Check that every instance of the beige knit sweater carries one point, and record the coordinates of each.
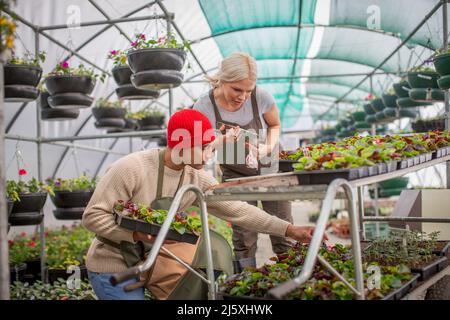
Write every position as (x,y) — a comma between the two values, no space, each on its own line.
(134,178)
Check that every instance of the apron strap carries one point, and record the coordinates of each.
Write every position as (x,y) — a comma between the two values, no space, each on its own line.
(255,110)
(161,176)
(216,109)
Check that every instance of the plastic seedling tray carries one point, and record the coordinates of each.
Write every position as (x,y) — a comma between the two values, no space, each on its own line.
(431,269)
(326,176)
(416,160)
(286,165)
(391,166)
(373,170)
(406,163)
(441,152)
(363,172)
(152,229)
(403,290)
(382,168)
(444,250)
(225,296)
(429,156)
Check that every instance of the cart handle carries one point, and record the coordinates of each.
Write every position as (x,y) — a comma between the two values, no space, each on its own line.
(282,290)
(131,273)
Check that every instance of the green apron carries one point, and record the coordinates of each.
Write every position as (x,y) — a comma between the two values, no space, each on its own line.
(133,253)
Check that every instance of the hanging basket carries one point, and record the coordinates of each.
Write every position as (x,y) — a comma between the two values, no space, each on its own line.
(55,274)
(389,100)
(109,123)
(390,112)
(122,75)
(423,79)
(427,95)
(368,109)
(442,64)
(378,105)
(22,74)
(156,59)
(157,79)
(71,199)
(401,89)
(130,125)
(380,116)
(409,103)
(111,113)
(69,213)
(59,114)
(130,92)
(359,116)
(444,82)
(71,100)
(29,202)
(362,125)
(20,93)
(69,84)
(151,121)
(17,272)
(370,119)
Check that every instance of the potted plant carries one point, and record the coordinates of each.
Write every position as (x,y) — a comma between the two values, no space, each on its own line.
(54,114)
(22,76)
(71,196)
(390,99)
(109,114)
(69,87)
(24,249)
(67,249)
(424,83)
(122,76)
(58,290)
(29,198)
(156,64)
(150,118)
(442,64)
(378,105)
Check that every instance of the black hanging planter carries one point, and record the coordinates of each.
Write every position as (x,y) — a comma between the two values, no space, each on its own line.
(380,116)
(390,112)
(55,274)
(110,123)
(130,125)
(50,114)
(22,74)
(151,121)
(389,100)
(130,92)
(69,84)
(111,113)
(156,68)
(368,109)
(27,210)
(423,79)
(444,82)
(17,272)
(442,64)
(69,213)
(20,93)
(401,89)
(72,100)
(427,95)
(409,103)
(370,119)
(122,75)
(71,199)
(378,105)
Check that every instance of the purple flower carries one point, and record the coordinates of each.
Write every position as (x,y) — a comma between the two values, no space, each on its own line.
(142,36)
(64,64)
(134,44)
(114,52)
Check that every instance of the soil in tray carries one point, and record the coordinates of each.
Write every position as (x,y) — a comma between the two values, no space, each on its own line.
(430,268)
(152,229)
(442,248)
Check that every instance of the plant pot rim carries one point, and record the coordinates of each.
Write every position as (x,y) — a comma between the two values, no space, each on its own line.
(33,194)
(120,67)
(442,55)
(423,72)
(389,95)
(68,76)
(76,191)
(109,108)
(25,66)
(155,50)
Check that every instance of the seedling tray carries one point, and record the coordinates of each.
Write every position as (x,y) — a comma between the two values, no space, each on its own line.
(406,163)
(441,152)
(403,290)
(225,296)
(286,165)
(431,269)
(326,176)
(442,252)
(152,229)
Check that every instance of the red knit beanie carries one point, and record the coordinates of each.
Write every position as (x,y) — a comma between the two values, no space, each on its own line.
(191,127)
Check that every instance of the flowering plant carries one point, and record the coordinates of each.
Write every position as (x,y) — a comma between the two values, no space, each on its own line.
(28,59)
(119,57)
(23,248)
(76,184)
(7,29)
(105,103)
(15,188)
(63,68)
(148,112)
(167,41)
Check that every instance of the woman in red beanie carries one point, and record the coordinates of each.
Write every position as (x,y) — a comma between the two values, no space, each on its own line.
(152,177)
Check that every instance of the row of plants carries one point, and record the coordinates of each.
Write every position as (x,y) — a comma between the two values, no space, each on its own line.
(323,285)
(58,290)
(358,151)
(26,199)
(431,124)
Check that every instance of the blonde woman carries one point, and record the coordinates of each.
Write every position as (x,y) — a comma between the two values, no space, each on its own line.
(235,101)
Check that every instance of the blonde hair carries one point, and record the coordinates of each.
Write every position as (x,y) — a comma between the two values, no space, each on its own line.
(236,67)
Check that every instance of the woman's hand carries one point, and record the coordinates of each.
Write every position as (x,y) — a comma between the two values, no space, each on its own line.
(302,234)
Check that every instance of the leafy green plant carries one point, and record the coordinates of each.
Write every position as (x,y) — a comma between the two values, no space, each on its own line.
(167,41)
(56,291)
(148,112)
(423,68)
(64,69)
(15,188)
(28,59)
(105,103)
(82,183)
(182,222)
(119,57)
(7,29)
(23,248)
(442,51)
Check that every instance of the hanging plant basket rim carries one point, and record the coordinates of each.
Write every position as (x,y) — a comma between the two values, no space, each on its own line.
(24,66)
(68,76)
(155,50)
(76,191)
(442,55)
(120,67)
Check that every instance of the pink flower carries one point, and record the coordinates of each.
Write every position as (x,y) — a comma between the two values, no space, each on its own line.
(114,52)
(22,172)
(142,36)
(10,242)
(32,244)
(160,39)
(134,44)
(23,234)
(64,64)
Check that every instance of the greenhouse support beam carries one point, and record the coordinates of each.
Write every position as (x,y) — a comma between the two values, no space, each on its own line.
(405,41)
(16,115)
(102,22)
(20,138)
(37,29)
(4,256)
(107,136)
(446,92)
(408,219)
(110,20)
(87,148)
(172,22)
(105,156)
